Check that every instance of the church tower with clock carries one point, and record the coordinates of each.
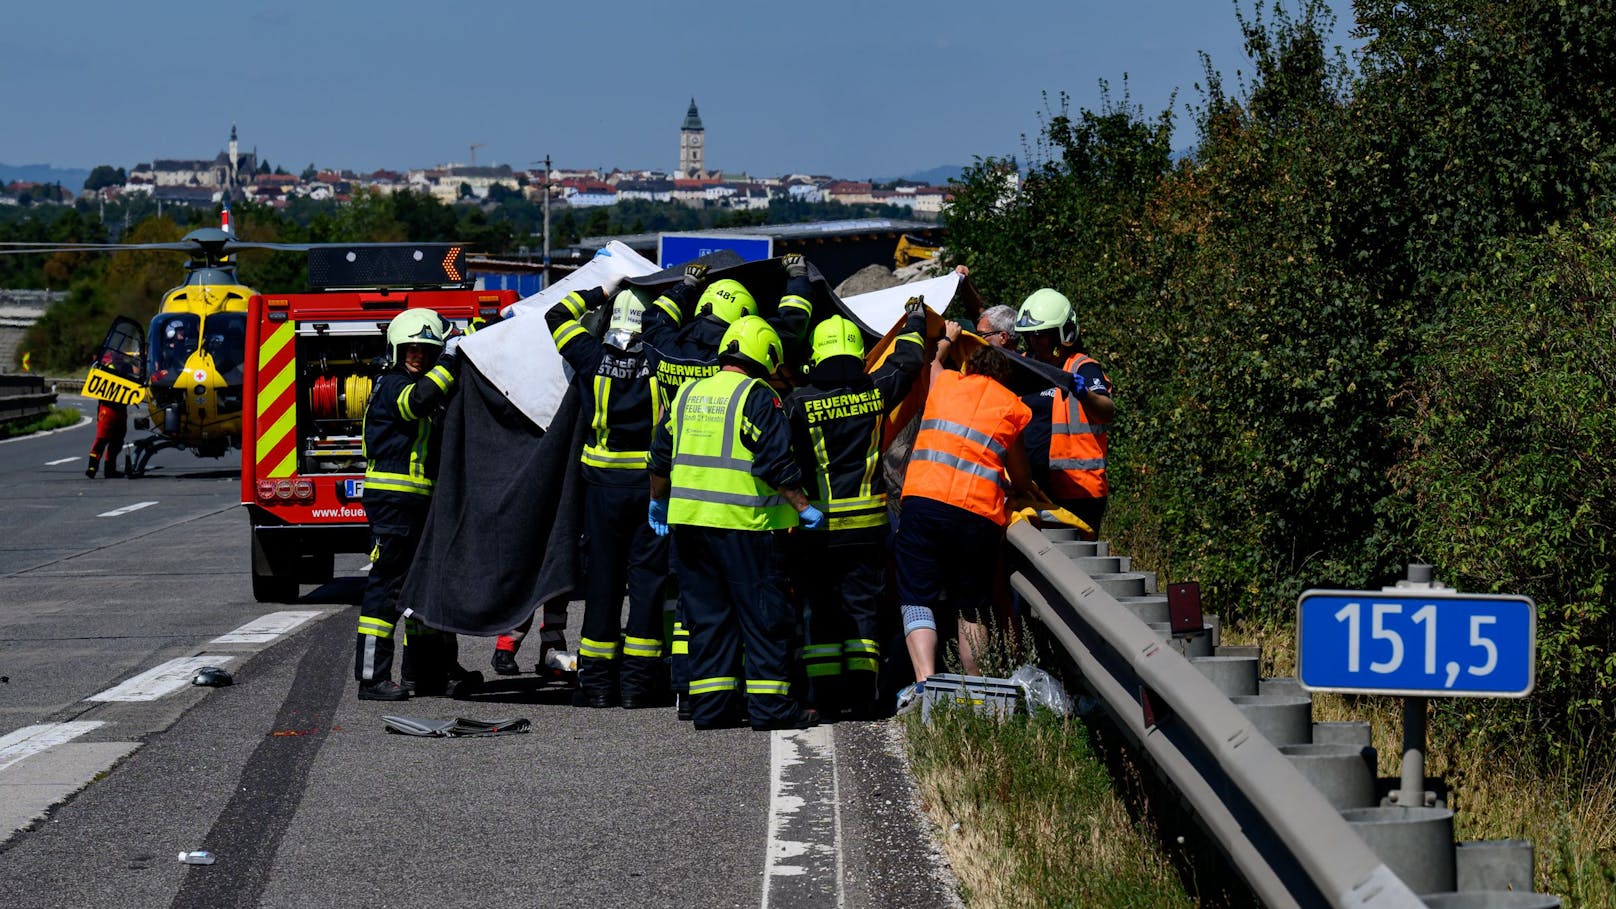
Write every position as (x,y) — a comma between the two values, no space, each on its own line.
(692,154)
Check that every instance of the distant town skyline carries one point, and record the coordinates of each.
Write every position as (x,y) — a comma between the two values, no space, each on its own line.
(853,90)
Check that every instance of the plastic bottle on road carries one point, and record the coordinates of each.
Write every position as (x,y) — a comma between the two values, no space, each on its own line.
(197,857)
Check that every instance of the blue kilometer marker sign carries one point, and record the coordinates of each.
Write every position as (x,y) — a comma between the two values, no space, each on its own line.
(1416,642)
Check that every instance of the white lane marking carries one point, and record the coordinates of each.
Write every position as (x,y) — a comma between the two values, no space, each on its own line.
(61,461)
(118,512)
(267,628)
(33,739)
(165,678)
(805,808)
(83,420)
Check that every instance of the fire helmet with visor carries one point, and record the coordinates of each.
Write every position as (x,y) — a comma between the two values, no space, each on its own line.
(1047,309)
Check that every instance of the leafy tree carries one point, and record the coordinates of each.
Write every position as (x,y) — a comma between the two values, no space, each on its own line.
(309,173)
(499,194)
(105,175)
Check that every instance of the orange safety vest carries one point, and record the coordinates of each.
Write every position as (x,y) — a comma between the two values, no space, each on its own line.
(1076,446)
(965,431)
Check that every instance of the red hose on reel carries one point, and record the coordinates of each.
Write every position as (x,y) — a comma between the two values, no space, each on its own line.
(323,398)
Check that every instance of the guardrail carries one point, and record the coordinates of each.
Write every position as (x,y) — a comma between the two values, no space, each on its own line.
(1291,842)
(24,397)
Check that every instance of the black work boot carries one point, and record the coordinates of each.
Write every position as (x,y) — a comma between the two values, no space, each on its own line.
(504,663)
(463,683)
(95,464)
(596,698)
(802,718)
(383,690)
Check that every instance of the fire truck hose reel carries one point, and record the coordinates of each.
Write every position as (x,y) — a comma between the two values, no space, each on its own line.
(357,394)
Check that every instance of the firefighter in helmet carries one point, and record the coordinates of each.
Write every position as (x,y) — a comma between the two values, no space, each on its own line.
(402,443)
(836,422)
(725,483)
(616,665)
(682,340)
(1067,437)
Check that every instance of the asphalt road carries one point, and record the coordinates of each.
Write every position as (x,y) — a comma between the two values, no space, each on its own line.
(106,773)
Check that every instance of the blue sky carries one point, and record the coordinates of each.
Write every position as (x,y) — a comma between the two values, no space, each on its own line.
(844,88)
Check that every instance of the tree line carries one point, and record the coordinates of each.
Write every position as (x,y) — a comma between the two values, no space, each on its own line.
(102,287)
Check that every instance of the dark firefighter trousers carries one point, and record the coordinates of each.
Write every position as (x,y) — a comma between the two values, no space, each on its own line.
(843,576)
(622,553)
(729,585)
(428,653)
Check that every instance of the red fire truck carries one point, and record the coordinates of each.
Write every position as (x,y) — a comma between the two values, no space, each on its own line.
(311,359)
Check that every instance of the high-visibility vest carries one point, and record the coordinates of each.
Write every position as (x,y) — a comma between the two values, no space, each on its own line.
(1077,446)
(712,479)
(965,431)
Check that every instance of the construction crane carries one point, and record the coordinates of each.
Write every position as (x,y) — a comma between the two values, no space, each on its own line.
(474,147)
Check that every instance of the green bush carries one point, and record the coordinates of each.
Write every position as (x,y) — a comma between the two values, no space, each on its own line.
(1509,478)
(1362,324)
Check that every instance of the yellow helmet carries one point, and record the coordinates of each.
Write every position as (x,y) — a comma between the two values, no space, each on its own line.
(1047,309)
(727,300)
(415,326)
(753,343)
(837,337)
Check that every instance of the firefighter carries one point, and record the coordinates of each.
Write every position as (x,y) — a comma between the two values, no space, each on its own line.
(724,479)
(836,421)
(953,513)
(1067,438)
(614,377)
(402,441)
(684,346)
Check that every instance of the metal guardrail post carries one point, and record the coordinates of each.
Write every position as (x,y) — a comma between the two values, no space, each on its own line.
(1291,845)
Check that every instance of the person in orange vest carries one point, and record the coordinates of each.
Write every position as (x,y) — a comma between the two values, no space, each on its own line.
(1067,438)
(967,456)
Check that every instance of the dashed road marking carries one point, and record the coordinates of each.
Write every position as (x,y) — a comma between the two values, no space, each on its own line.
(162,679)
(30,740)
(61,461)
(803,864)
(118,512)
(267,628)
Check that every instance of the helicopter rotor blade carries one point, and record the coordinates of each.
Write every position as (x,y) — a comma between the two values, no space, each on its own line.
(38,248)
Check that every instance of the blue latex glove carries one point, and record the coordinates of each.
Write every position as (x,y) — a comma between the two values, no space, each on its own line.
(657,517)
(1080,385)
(812,518)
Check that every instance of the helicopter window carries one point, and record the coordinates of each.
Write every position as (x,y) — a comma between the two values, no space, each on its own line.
(120,354)
(226,340)
(172,340)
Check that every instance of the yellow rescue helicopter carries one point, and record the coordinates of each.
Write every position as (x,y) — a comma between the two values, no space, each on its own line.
(185,366)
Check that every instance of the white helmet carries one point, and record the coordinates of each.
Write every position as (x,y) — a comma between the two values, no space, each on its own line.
(623,325)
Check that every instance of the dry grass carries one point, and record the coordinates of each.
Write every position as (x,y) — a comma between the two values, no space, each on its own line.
(1028,816)
(1565,805)
(1027,809)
